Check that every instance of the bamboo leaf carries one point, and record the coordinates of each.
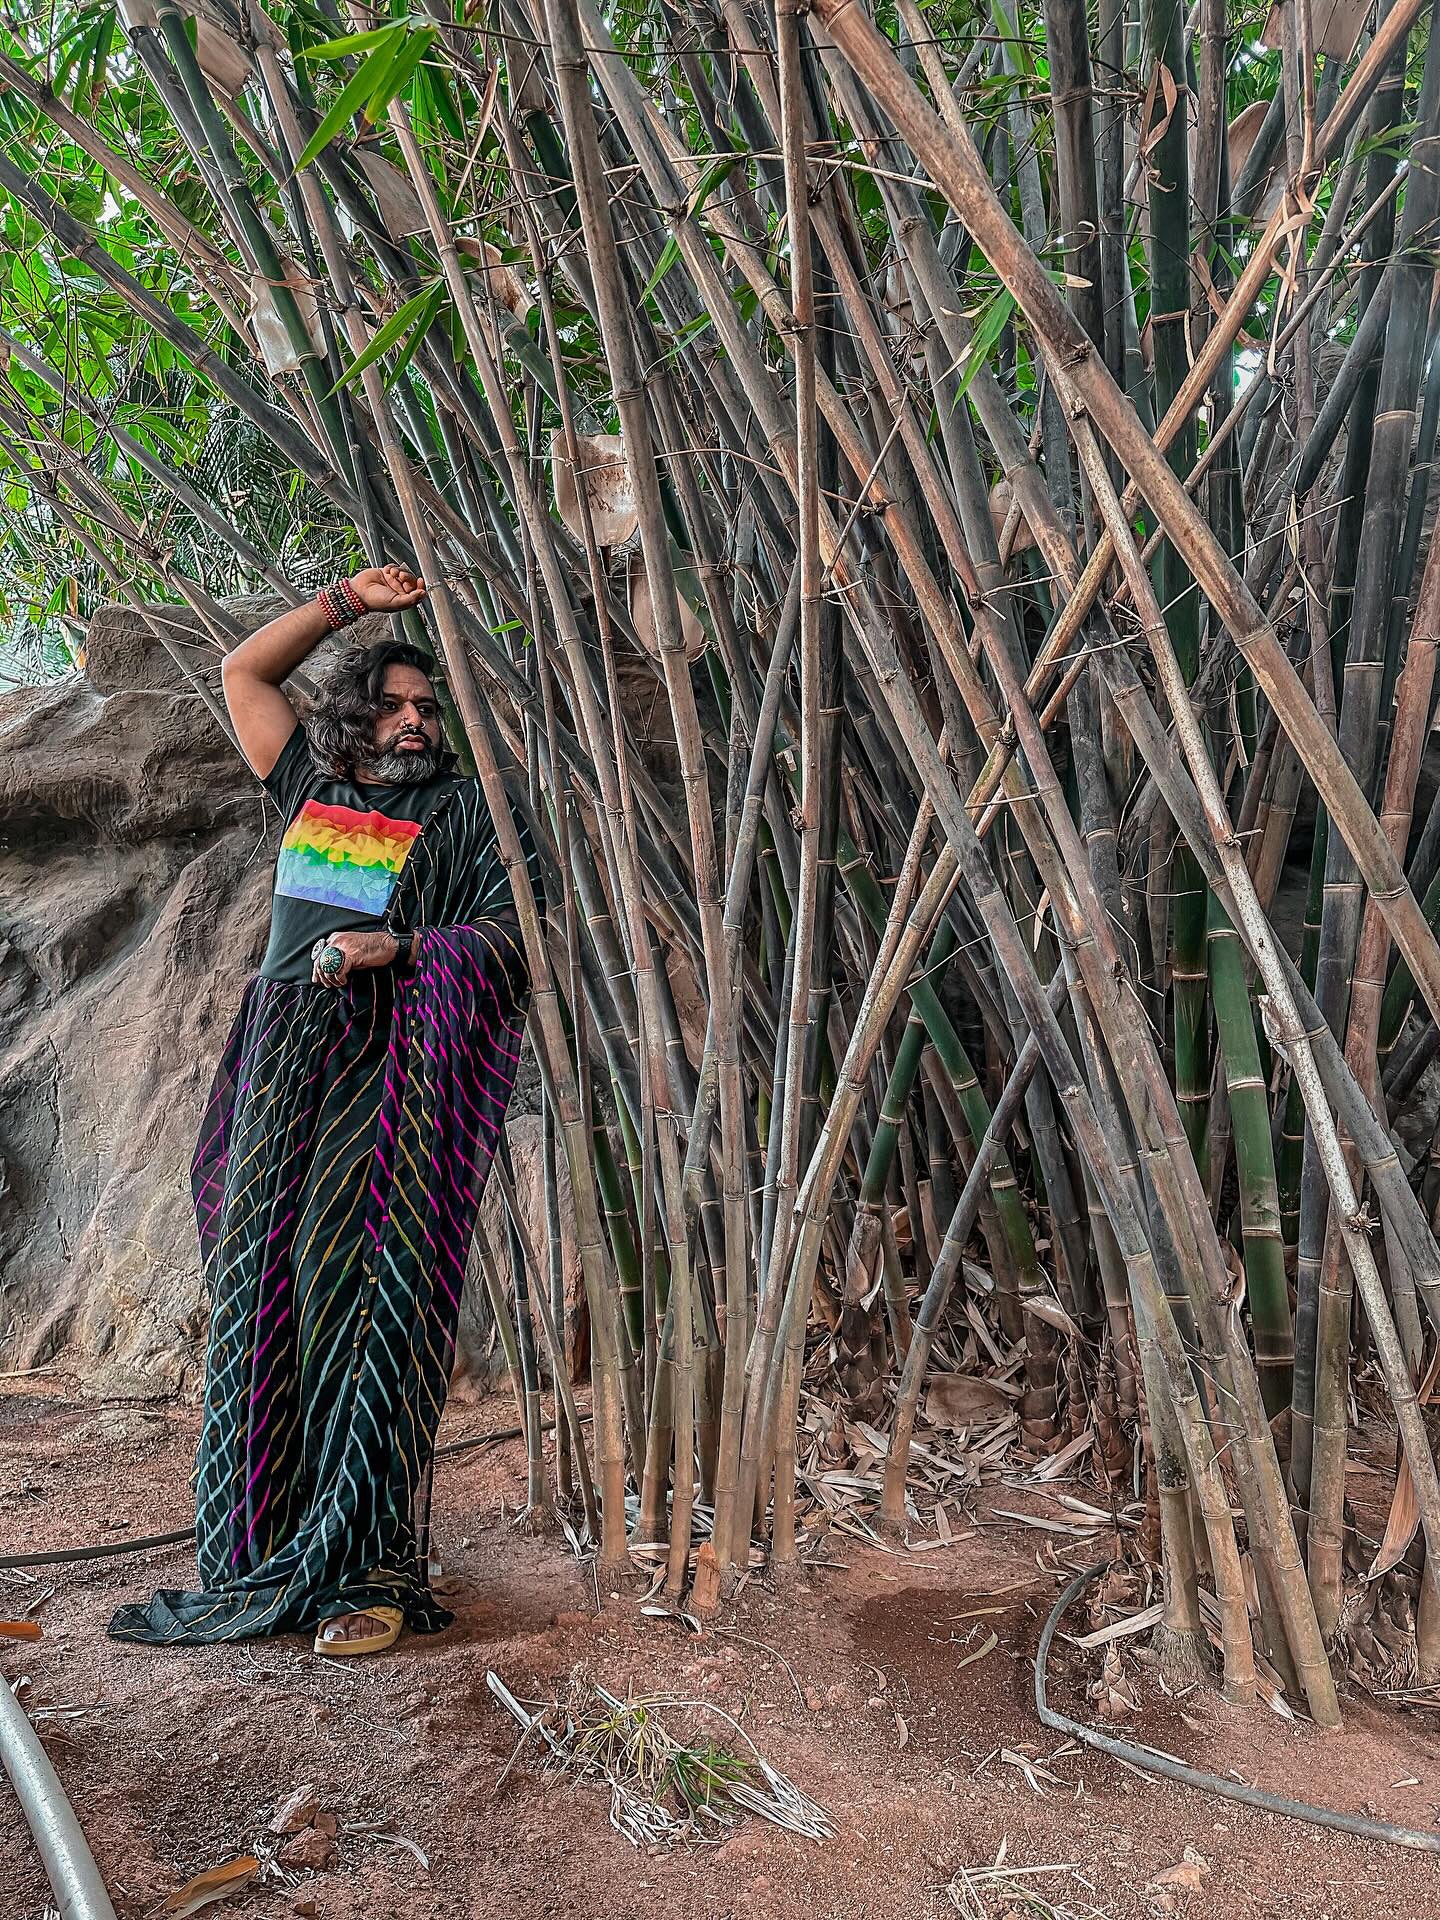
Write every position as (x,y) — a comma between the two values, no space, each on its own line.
(669,254)
(719,169)
(988,330)
(360,88)
(434,89)
(417,313)
(417,334)
(1011,36)
(396,77)
(352,43)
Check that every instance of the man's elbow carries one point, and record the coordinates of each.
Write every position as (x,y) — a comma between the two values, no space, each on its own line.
(238,676)
(241,689)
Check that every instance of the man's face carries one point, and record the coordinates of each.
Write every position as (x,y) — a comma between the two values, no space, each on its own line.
(409,717)
(407,747)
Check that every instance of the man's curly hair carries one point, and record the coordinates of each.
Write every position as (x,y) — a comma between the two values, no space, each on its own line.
(340,721)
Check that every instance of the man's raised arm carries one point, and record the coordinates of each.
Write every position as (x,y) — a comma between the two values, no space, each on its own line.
(252,676)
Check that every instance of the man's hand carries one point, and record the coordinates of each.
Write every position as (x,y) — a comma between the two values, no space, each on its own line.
(255,673)
(389,589)
(362,952)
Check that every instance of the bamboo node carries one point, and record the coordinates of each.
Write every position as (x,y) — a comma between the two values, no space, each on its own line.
(1284,1035)
(1360,1220)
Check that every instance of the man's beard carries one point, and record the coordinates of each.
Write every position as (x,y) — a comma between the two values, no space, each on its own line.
(404,766)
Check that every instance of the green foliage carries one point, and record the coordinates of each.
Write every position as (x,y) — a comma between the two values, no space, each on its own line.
(992,321)
(391,57)
(404,329)
(449,83)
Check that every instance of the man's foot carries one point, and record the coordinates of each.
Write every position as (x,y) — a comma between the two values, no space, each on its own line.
(370,1631)
(353,1626)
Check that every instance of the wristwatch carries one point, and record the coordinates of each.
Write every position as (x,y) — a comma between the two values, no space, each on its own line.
(403,943)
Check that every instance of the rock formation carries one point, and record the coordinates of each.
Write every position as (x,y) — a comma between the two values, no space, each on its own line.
(136,853)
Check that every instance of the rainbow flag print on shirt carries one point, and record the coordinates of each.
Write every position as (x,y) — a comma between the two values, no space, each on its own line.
(343,858)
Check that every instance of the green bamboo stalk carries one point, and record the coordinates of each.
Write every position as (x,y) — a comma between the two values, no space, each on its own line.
(1265,1282)
(1169,210)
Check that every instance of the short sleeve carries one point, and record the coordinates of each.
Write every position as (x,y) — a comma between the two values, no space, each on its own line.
(292,774)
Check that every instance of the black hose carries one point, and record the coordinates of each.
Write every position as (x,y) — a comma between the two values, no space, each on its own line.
(1150,1760)
(57,1556)
(112,1549)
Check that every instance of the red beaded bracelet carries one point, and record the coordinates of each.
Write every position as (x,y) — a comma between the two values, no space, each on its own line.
(341,605)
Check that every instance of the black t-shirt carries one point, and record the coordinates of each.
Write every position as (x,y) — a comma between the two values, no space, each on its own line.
(341,855)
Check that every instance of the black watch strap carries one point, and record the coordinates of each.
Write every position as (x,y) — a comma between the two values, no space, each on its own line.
(403,943)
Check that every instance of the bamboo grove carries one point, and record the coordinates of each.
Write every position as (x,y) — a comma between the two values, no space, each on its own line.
(927,515)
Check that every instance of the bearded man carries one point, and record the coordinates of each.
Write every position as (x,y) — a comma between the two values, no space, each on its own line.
(340,1165)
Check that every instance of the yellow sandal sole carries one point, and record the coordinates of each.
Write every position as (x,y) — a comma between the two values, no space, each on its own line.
(346,1649)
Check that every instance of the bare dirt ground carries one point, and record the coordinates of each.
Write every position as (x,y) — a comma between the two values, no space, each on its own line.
(849,1684)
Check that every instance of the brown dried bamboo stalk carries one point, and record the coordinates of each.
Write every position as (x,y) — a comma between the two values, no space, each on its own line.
(1413,692)
(956,167)
(564,1393)
(626,880)
(1326,1537)
(545,1011)
(1284,1015)
(807,820)
(572,74)
(617,816)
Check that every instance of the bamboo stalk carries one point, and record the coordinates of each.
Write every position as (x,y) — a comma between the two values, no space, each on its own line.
(936,1298)
(802,301)
(545,1011)
(571,70)
(1359,729)
(1265,1281)
(956,168)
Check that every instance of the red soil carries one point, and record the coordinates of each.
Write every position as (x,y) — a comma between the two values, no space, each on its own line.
(176,1760)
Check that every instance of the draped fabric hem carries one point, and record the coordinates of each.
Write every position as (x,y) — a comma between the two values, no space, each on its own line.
(169,1617)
